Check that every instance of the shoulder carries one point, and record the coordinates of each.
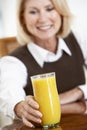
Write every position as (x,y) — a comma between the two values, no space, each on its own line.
(13,73)
(11,63)
(19,50)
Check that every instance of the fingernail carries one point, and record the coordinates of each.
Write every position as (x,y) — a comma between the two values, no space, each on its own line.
(40,114)
(32,126)
(37,106)
(39,121)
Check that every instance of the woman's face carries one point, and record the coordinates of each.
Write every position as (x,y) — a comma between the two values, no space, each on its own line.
(41,19)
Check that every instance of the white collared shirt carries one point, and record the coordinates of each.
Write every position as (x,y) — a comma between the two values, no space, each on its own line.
(13,73)
(41,55)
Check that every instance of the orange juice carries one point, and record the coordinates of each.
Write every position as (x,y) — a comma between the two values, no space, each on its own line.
(45,93)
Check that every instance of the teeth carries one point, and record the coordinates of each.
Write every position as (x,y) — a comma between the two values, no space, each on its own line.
(45,27)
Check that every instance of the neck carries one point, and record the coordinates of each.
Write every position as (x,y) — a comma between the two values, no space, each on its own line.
(49,44)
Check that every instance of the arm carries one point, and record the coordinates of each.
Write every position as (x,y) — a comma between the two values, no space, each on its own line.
(13,100)
(74,108)
(82,41)
(71,96)
(12,80)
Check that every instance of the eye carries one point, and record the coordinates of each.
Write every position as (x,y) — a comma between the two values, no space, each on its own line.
(50,9)
(33,11)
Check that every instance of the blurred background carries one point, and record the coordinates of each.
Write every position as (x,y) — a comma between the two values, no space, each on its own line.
(8,16)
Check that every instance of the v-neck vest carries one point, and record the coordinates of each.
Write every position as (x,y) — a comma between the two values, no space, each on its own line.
(69,69)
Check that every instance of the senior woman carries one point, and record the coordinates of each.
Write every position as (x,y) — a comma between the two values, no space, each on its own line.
(48,45)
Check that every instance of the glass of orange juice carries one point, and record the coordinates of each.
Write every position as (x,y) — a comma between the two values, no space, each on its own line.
(46,94)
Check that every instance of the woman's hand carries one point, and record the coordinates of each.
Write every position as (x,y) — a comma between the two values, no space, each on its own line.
(74,108)
(28,111)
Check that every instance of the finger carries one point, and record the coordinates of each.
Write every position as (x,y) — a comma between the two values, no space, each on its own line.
(31,114)
(34,112)
(30,100)
(30,110)
(30,117)
(34,119)
(27,123)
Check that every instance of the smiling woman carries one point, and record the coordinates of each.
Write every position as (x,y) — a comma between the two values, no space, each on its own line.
(46,21)
(49,45)
(8,20)
(42,21)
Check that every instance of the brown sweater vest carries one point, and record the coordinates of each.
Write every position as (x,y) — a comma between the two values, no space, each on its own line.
(69,69)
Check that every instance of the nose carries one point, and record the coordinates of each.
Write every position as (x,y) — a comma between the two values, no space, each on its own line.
(43,16)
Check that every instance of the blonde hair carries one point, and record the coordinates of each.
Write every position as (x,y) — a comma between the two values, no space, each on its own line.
(61,6)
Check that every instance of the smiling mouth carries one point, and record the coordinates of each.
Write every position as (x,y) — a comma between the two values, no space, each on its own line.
(45,27)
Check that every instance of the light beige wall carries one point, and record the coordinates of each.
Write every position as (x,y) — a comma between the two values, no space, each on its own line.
(79,8)
(8,8)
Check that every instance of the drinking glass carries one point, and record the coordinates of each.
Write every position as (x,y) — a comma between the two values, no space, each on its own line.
(46,94)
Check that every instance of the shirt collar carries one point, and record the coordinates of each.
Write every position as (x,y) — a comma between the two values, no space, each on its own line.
(41,54)
(38,53)
(64,47)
